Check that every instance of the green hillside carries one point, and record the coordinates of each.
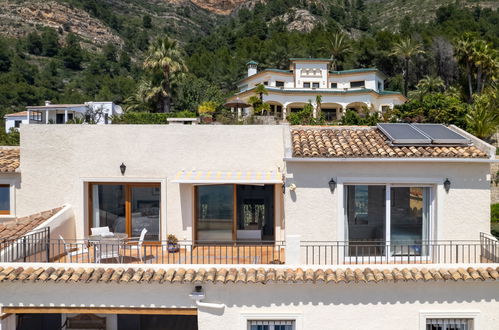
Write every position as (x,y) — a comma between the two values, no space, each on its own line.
(79,50)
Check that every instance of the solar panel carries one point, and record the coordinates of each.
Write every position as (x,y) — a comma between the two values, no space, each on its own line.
(403,134)
(441,134)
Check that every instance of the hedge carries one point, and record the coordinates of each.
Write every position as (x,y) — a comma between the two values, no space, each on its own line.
(148,118)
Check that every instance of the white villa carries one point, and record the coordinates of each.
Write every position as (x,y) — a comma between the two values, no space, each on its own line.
(61,113)
(289,90)
(279,228)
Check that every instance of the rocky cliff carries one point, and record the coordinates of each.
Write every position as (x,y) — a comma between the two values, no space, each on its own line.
(18,19)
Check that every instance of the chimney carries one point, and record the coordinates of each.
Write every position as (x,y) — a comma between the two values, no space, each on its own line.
(252,68)
(47,103)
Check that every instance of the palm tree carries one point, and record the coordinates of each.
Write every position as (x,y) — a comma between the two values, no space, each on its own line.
(339,47)
(406,49)
(165,56)
(431,84)
(464,53)
(144,95)
(486,61)
(318,106)
(261,90)
(483,117)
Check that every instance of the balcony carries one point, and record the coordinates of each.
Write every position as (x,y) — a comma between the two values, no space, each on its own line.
(485,250)
(38,247)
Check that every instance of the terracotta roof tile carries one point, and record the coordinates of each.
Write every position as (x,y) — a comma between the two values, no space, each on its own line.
(243,275)
(366,142)
(19,227)
(9,159)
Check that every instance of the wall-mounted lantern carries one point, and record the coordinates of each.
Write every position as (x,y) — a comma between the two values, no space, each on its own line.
(332,185)
(447,185)
(122,168)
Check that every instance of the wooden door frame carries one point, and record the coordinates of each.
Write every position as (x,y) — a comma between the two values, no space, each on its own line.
(128,207)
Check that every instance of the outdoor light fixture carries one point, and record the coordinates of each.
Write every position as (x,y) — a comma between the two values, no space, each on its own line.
(122,168)
(447,185)
(332,185)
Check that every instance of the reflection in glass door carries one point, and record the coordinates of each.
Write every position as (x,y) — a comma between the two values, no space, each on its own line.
(215,212)
(409,219)
(145,210)
(126,208)
(108,207)
(365,214)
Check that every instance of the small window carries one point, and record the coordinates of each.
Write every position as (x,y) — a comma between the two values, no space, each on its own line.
(265,83)
(380,86)
(357,84)
(4,199)
(279,84)
(306,85)
(271,325)
(334,85)
(315,85)
(17,123)
(449,324)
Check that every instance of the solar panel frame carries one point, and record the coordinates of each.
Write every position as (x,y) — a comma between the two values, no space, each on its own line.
(441,134)
(403,134)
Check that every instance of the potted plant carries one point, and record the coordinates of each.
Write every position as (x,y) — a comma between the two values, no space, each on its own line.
(206,110)
(172,243)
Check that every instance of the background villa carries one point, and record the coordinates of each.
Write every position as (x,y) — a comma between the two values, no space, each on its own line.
(337,222)
(62,113)
(289,90)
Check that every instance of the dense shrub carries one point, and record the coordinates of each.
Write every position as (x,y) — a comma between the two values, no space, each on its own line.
(494,212)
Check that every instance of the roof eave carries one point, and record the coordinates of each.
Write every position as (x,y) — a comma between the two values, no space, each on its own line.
(394,160)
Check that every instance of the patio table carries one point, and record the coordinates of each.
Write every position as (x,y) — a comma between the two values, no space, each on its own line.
(106,247)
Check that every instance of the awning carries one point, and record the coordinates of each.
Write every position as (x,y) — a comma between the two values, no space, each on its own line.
(243,177)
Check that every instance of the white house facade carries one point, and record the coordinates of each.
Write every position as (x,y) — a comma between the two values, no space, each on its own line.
(99,112)
(278,227)
(307,78)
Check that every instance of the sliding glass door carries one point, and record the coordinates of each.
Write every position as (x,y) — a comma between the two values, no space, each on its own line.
(126,208)
(234,212)
(144,213)
(387,216)
(215,212)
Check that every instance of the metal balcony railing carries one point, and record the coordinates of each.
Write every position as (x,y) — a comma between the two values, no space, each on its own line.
(31,246)
(185,252)
(484,250)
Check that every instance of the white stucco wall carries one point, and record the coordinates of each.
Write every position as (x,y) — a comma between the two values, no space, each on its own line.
(315,306)
(312,211)
(57,160)
(10,122)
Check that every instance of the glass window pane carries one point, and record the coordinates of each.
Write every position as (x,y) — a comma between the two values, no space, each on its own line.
(215,212)
(365,215)
(4,198)
(409,211)
(145,205)
(108,207)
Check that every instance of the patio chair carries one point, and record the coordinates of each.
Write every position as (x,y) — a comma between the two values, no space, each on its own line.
(103,231)
(137,243)
(74,249)
(108,249)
